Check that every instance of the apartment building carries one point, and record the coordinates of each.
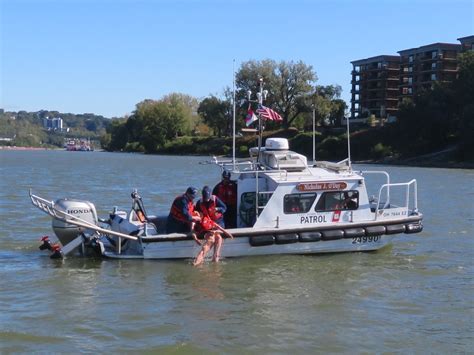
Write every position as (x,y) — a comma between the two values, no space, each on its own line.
(421,67)
(375,86)
(467,43)
(380,83)
(55,123)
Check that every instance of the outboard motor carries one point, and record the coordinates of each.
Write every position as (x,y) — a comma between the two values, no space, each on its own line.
(84,210)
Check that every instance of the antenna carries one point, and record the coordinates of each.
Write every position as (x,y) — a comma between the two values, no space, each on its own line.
(348,144)
(233,114)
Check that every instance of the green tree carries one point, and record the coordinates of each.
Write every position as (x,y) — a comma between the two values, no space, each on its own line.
(214,113)
(286,83)
(464,102)
(185,107)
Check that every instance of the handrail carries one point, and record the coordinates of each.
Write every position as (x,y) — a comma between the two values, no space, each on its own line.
(48,208)
(362,172)
(407,195)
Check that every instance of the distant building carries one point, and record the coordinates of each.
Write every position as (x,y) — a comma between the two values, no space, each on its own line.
(55,123)
(375,86)
(421,67)
(381,83)
(467,43)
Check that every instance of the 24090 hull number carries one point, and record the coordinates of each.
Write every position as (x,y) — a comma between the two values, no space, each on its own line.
(361,240)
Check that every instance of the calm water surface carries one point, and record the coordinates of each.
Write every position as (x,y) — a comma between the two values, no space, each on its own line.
(415,296)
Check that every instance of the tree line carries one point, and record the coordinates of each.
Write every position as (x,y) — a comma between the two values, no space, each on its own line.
(292,92)
(26,128)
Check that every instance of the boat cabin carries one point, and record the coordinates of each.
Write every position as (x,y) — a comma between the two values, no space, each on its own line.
(277,188)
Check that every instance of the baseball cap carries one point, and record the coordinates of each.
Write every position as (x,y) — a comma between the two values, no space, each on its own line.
(206,192)
(192,191)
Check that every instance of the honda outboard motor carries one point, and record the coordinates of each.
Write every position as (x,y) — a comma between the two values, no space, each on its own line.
(84,210)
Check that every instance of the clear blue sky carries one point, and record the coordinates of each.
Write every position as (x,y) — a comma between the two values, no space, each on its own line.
(104,56)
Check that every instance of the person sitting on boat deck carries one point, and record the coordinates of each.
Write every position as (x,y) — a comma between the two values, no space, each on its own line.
(211,206)
(212,234)
(181,218)
(226,190)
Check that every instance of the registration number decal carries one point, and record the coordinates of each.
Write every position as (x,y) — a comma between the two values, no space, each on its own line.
(362,240)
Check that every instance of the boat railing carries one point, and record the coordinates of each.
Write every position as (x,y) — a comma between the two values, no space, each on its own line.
(387,179)
(410,199)
(247,167)
(341,166)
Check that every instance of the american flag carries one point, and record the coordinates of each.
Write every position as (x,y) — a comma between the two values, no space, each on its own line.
(268,113)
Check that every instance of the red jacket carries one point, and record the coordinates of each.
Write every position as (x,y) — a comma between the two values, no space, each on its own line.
(227,192)
(182,209)
(214,208)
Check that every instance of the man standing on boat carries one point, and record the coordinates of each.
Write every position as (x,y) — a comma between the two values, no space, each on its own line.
(182,217)
(226,190)
(211,206)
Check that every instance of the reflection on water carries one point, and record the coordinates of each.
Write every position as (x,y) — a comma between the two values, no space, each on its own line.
(408,297)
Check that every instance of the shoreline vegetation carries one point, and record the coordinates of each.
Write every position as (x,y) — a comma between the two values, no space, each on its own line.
(186,146)
(434,128)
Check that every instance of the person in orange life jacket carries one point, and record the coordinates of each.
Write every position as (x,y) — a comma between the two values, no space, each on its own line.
(212,206)
(213,238)
(226,190)
(181,218)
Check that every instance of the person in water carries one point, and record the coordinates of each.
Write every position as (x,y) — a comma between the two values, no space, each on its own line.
(226,190)
(212,234)
(211,206)
(182,217)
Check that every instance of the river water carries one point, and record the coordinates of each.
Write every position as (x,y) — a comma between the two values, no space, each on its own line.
(414,296)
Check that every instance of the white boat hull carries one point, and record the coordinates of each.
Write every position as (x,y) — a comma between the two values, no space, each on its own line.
(240,247)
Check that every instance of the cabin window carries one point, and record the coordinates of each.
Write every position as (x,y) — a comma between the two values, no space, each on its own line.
(338,200)
(247,206)
(298,203)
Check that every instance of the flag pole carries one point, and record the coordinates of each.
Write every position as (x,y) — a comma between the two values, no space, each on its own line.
(233,115)
(348,144)
(260,128)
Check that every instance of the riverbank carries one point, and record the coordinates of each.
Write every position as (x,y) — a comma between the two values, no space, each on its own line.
(329,146)
(5,147)
(442,159)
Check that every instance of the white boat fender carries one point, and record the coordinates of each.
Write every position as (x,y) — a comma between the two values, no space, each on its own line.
(261,240)
(333,234)
(395,229)
(374,231)
(354,232)
(307,237)
(286,238)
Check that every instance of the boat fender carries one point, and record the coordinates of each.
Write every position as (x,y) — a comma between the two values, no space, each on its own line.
(261,240)
(374,230)
(332,234)
(395,229)
(414,228)
(307,237)
(286,238)
(354,233)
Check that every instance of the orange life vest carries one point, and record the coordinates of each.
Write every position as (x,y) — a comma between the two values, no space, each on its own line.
(209,209)
(227,193)
(206,223)
(176,212)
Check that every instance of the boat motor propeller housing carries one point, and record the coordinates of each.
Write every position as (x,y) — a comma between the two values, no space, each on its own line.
(85,210)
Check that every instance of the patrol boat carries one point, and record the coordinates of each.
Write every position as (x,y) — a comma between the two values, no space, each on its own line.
(284,206)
